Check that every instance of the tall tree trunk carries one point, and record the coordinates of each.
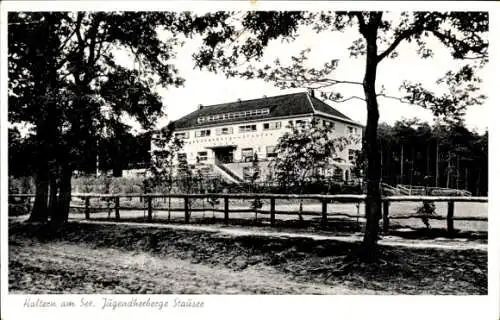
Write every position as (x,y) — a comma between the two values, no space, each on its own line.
(401,159)
(53,195)
(39,212)
(381,163)
(466,187)
(437,163)
(412,168)
(46,124)
(117,159)
(478,182)
(169,203)
(373,197)
(427,163)
(448,171)
(62,213)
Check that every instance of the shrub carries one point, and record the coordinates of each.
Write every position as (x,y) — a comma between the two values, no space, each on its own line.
(21,185)
(18,209)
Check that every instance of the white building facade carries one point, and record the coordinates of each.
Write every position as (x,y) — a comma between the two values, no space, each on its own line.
(226,137)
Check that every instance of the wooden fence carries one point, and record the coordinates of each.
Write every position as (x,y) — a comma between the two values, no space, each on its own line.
(323,199)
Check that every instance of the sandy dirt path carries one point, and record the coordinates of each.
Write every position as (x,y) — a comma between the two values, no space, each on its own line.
(67,268)
(440,243)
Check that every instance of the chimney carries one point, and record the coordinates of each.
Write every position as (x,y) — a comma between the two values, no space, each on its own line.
(310,92)
(200,106)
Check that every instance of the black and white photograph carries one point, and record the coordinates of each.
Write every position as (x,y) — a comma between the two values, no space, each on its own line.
(246,150)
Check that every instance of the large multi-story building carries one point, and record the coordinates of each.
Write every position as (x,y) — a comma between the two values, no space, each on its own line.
(225,137)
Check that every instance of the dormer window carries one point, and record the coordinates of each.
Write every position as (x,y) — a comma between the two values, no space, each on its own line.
(234,115)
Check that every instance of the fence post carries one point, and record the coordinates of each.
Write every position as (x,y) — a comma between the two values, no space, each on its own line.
(324,205)
(117,208)
(186,209)
(226,210)
(87,208)
(273,211)
(385,216)
(449,218)
(150,208)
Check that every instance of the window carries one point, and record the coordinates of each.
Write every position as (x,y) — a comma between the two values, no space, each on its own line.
(352,155)
(271,152)
(202,133)
(202,156)
(300,124)
(226,130)
(247,154)
(248,128)
(272,125)
(182,135)
(352,130)
(329,124)
(337,174)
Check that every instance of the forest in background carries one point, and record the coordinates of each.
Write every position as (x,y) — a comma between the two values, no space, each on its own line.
(412,153)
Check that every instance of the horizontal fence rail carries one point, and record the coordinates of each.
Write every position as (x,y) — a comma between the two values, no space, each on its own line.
(224,199)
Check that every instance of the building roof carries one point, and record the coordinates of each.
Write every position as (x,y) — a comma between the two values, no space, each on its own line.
(282,106)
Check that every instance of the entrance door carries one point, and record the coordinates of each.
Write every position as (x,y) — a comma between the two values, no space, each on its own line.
(228,155)
(224,155)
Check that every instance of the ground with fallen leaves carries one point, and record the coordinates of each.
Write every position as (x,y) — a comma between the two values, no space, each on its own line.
(93,258)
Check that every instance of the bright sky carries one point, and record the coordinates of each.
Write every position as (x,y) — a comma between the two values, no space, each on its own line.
(202,87)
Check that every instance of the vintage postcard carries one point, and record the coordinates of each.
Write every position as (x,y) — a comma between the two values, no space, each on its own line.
(204,159)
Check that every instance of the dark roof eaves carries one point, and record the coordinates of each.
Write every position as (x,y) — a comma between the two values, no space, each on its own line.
(327,115)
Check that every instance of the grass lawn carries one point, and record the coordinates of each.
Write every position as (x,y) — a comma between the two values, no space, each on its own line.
(85,258)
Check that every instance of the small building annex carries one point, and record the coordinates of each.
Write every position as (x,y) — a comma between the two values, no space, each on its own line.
(225,137)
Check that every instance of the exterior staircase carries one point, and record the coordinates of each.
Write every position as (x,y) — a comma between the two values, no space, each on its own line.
(227,174)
